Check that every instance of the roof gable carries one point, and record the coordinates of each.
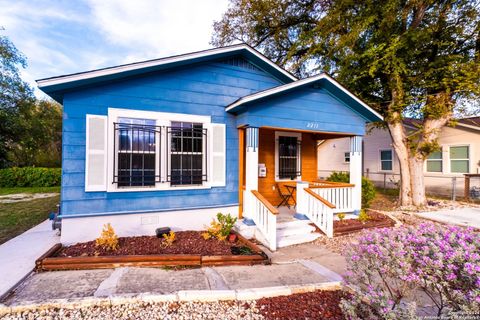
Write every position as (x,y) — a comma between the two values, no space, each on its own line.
(56,86)
(321,80)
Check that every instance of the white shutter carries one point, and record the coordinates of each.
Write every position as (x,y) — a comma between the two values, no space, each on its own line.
(217,157)
(96,153)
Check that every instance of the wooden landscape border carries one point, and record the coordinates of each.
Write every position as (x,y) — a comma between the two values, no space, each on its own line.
(48,262)
(350,229)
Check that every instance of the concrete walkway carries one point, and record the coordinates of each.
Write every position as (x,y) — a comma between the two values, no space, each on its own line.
(18,255)
(469,217)
(292,272)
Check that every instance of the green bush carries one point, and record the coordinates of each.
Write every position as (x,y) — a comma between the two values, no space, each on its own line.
(30,177)
(368,189)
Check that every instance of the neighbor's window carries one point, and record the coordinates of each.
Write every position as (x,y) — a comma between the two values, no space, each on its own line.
(434,162)
(135,152)
(346,157)
(459,159)
(386,160)
(187,153)
(288,157)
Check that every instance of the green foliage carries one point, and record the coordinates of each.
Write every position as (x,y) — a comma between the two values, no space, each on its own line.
(30,129)
(220,228)
(227,222)
(368,188)
(39,143)
(30,177)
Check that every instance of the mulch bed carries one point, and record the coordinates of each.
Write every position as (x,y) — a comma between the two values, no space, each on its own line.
(310,305)
(186,242)
(376,220)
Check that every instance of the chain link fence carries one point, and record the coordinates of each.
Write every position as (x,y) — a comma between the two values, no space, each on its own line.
(444,185)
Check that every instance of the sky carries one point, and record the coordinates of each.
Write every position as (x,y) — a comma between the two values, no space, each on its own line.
(65,36)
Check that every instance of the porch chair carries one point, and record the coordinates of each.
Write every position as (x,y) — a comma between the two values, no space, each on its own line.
(285,196)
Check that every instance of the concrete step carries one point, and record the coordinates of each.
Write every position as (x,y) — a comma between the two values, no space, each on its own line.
(304,229)
(293,224)
(296,239)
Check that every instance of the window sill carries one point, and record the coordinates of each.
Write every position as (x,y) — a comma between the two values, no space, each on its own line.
(289,180)
(169,188)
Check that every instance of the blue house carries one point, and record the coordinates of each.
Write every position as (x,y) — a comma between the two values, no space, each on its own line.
(173,141)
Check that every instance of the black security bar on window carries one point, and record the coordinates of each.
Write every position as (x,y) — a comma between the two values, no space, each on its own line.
(187,154)
(289,161)
(135,157)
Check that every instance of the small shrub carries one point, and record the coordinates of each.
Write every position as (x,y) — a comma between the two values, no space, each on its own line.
(341,216)
(387,266)
(368,188)
(220,228)
(30,177)
(108,239)
(363,216)
(169,238)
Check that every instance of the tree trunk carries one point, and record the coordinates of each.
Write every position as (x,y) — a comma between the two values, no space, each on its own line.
(418,181)
(400,145)
(429,138)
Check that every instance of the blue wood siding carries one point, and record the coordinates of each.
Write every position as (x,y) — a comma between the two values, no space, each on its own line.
(203,89)
(304,109)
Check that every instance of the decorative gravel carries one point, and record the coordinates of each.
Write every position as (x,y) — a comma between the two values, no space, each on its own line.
(312,305)
(145,311)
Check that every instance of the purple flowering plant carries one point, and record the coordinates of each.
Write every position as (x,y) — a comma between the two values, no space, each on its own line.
(388,269)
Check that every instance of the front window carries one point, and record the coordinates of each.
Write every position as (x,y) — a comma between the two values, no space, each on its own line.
(346,157)
(459,159)
(288,157)
(135,149)
(434,162)
(187,153)
(386,160)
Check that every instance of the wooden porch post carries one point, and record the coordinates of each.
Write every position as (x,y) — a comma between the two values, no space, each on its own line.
(241,170)
(356,172)
(251,173)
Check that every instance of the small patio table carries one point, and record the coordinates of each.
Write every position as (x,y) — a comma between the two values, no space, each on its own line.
(291,188)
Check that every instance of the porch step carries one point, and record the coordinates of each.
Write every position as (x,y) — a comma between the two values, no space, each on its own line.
(297,230)
(293,224)
(296,239)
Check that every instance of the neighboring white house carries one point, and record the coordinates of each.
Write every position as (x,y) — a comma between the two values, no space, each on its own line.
(460,153)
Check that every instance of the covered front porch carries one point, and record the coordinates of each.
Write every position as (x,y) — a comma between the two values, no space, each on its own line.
(279,164)
(279,131)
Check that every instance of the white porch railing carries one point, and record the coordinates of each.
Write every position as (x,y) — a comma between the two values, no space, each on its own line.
(265,218)
(339,194)
(319,211)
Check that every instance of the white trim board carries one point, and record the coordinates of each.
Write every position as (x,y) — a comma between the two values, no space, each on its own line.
(157,62)
(299,83)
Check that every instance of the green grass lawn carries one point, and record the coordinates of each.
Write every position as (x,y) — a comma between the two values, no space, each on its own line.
(5,191)
(15,218)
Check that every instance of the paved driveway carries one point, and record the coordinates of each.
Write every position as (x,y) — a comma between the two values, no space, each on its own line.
(462,216)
